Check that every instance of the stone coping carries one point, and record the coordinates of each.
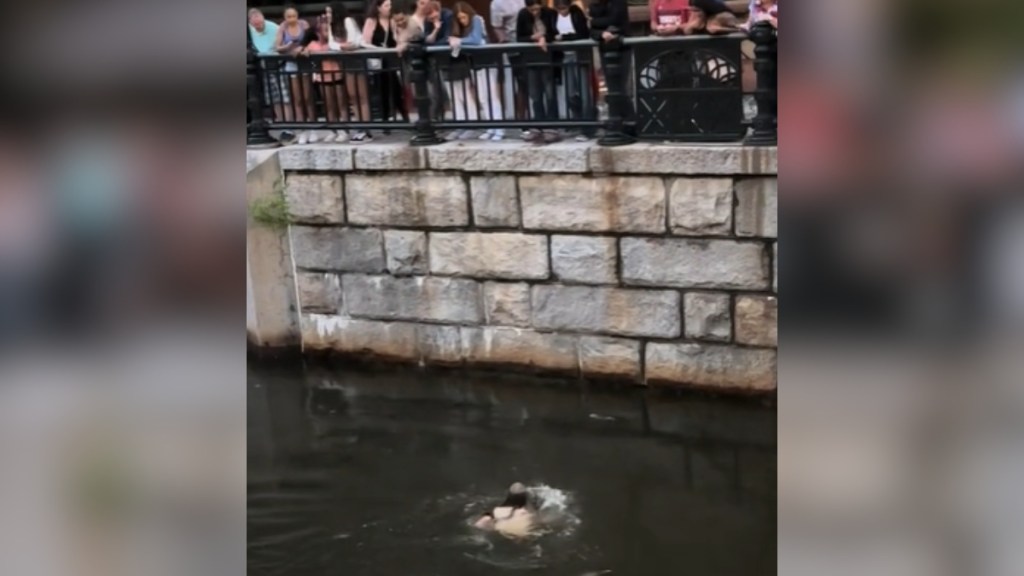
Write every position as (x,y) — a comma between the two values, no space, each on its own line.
(521,157)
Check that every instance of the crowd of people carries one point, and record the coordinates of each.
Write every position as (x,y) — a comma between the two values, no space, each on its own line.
(462,92)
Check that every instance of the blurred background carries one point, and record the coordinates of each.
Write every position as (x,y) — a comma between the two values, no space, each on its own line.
(122,367)
(902,269)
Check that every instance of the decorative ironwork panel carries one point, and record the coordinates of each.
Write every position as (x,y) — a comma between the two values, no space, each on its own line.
(689,89)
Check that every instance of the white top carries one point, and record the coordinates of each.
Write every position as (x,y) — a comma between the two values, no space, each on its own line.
(355,35)
(564,25)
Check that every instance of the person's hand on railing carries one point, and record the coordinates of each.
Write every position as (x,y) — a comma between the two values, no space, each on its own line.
(454,41)
(608,36)
(543,43)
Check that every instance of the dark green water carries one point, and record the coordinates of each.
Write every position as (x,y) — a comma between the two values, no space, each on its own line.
(360,473)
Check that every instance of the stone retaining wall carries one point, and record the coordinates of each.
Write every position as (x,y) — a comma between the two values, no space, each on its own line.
(652,264)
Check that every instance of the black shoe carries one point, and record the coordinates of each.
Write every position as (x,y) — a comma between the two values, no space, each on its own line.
(286,136)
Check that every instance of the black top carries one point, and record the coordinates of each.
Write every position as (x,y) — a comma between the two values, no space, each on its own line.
(384,38)
(524,25)
(608,15)
(710,7)
(579,24)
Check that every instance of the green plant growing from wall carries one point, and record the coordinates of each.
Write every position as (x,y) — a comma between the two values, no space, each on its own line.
(272,210)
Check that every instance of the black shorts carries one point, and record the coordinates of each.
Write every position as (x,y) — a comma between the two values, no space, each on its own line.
(710,8)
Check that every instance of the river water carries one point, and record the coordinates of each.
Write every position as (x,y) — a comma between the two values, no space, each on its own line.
(356,472)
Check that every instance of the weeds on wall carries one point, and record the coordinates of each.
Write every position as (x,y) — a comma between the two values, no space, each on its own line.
(271,211)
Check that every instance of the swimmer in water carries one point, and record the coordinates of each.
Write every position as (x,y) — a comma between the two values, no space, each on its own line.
(513,517)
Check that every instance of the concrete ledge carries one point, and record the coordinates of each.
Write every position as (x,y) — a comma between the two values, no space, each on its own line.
(316,157)
(685,160)
(509,157)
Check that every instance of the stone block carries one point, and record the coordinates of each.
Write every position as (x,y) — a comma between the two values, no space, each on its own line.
(319,292)
(315,198)
(567,157)
(610,204)
(338,249)
(391,156)
(694,263)
(509,255)
(520,347)
(624,312)
(316,158)
(440,345)
(584,259)
(757,320)
(707,316)
(602,357)
(495,201)
(365,338)
(427,299)
(406,199)
(698,160)
(757,207)
(507,304)
(775,267)
(709,365)
(406,252)
(700,206)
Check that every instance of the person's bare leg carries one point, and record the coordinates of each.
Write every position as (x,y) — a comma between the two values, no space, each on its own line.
(307,84)
(298,100)
(364,98)
(724,23)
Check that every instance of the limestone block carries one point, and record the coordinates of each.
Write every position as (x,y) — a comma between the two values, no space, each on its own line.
(694,263)
(757,320)
(366,338)
(757,207)
(389,156)
(338,249)
(685,160)
(707,316)
(603,357)
(775,267)
(710,365)
(567,157)
(495,201)
(406,252)
(609,204)
(584,259)
(315,198)
(507,304)
(440,345)
(509,255)
(406,199)
(521,347)
(319,292)
(429,299)
(316,158)
(700,206)
(616,311)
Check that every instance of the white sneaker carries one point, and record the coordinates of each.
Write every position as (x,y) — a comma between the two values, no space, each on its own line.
(303,137)
(487,135)
(340,136)
(313,137)
(498,135)
(327,137)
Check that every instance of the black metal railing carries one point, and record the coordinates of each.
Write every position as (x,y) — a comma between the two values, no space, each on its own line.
(678,89)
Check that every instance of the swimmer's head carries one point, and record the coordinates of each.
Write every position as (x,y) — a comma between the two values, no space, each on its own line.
(517,496)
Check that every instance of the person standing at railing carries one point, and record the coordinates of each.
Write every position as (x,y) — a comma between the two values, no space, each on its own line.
(467,30)
(763,10)
(289,42)
(264,35)
(329,78)
(437,28)
(671,18)
(571,24)
(504,14)
(379,31)
(347,36)
(609,25)
(536,24)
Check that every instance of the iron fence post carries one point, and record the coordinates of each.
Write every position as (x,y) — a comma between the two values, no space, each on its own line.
(424,128)
(612,54)
(257,135)
(766,60)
